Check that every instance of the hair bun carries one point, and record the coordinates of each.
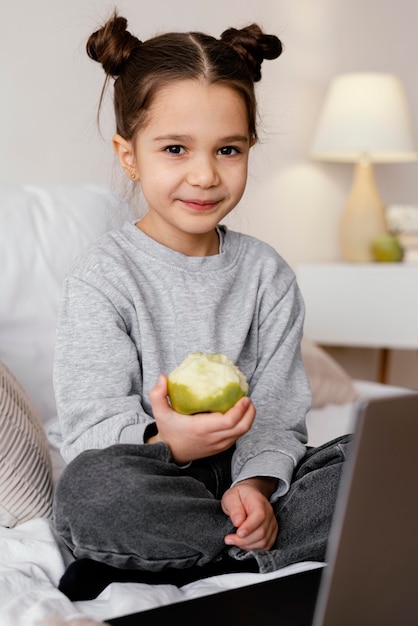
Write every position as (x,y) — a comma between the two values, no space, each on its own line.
(253,46)
(112,45)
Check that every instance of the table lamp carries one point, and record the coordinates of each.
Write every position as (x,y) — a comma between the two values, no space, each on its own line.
(364,120)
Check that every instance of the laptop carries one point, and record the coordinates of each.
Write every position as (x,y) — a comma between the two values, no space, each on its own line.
(372,574)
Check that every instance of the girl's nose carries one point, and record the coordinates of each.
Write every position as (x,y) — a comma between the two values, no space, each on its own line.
(203,172)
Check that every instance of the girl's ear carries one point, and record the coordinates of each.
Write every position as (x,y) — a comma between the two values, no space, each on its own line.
(124,150)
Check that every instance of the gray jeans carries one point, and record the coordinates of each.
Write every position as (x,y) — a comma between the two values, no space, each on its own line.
(130,506)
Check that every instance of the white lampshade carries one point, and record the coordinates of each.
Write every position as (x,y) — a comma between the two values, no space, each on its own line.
(365,115)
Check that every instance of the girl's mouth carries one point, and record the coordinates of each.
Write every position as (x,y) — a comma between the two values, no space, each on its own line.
(201,205)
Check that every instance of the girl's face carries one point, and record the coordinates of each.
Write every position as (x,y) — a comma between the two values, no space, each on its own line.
(191,159)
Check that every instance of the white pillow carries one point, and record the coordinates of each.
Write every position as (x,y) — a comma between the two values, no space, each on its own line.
(42,230)
(25,468)
(330,383)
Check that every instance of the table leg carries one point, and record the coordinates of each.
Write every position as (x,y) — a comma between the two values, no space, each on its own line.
(383,365)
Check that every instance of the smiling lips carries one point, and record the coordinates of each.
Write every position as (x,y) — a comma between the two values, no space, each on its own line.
(200,205)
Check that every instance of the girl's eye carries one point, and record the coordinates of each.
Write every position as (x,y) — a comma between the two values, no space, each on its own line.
(175,149)
(228,151)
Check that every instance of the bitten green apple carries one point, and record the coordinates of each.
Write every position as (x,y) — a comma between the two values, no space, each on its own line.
(205,383)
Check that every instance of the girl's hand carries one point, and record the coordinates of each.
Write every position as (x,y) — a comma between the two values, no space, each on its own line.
(191,437)
(247,504)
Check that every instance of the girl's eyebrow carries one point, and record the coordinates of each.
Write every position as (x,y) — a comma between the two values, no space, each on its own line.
(187,138)
(235,139)
(174,138)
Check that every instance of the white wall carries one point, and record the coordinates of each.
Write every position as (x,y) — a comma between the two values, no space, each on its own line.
(50,90)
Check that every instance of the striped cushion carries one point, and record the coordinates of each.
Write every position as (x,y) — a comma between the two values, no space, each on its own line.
(25,467)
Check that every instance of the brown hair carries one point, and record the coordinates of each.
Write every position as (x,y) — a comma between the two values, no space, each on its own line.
(140,69)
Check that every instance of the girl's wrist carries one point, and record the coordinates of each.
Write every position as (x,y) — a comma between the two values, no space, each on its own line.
(266,485)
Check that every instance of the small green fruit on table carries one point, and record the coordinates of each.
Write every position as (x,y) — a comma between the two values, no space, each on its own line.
(387,248)
(205,383)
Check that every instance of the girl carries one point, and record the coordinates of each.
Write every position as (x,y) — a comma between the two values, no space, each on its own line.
(150,494)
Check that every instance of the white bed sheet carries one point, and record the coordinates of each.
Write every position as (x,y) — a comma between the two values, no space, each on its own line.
(32,562)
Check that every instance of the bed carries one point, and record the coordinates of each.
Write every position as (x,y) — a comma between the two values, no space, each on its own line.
(41,230)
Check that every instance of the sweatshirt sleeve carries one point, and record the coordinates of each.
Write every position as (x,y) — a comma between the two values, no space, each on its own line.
(97,377)
(279,389)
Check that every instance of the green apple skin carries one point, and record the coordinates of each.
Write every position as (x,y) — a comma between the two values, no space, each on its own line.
(184,401)
(386,248)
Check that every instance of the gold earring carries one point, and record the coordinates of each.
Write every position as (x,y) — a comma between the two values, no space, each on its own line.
(133,175)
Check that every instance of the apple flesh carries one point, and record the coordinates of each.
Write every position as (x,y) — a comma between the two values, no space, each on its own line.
(205,383)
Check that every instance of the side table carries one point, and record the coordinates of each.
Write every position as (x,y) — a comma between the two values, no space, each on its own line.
(367,305)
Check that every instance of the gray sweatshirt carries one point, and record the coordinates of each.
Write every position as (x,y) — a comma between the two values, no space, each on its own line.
(132,309)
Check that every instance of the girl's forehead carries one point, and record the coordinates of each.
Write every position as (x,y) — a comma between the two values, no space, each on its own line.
(184,90)
(189,101)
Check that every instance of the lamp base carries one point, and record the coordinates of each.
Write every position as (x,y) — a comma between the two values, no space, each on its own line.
(363,218)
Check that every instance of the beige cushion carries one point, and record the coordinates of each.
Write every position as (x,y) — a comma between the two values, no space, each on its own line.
(330,383)
(25,467)
(53,620)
